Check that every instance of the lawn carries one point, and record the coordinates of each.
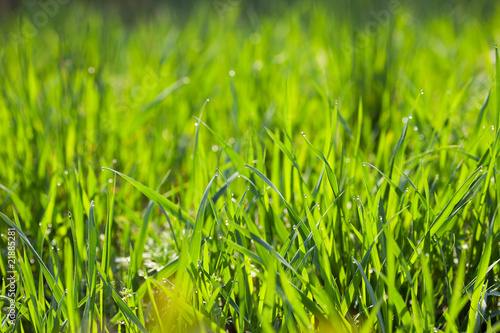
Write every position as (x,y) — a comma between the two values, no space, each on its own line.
(232,166)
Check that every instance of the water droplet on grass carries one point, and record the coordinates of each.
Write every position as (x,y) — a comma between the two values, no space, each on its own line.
(303,134)
(232,72)
(422,91)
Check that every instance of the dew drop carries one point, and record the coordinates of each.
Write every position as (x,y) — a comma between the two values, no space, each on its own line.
(195,124)
(422,91)
(65,172)
(410,117)
(58,184)
(303,133)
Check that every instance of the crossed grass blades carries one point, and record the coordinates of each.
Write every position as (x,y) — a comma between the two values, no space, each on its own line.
(360,223)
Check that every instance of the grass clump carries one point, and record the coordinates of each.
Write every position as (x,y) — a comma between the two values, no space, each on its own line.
(258,168)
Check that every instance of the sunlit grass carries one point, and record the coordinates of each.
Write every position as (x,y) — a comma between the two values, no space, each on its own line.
(240,169)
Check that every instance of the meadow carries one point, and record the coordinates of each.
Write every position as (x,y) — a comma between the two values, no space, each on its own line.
(232,166)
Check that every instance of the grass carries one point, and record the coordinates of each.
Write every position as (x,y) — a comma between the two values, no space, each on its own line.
(289,168)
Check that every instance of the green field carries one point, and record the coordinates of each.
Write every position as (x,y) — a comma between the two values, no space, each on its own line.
(231,166)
